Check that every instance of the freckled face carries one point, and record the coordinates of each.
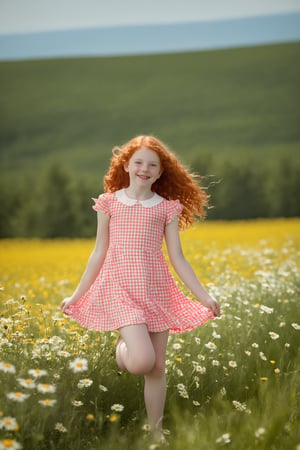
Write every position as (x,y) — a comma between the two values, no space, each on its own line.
(144,167)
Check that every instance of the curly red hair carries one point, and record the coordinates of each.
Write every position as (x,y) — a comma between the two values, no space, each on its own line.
(175,182)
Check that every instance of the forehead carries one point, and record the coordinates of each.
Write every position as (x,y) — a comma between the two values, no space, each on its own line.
(147,154)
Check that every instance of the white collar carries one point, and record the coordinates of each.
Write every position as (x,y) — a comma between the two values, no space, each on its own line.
(123,198)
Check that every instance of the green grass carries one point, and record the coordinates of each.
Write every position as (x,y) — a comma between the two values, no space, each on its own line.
(232,104)
(251,404)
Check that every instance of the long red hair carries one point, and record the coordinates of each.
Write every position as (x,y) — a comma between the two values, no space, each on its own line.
(175,182)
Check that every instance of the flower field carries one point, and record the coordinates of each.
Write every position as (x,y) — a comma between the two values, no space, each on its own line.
(233,382)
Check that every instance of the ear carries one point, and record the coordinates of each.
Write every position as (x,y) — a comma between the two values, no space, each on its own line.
(126,167)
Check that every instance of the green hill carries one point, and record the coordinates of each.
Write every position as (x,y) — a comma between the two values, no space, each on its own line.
(227,104)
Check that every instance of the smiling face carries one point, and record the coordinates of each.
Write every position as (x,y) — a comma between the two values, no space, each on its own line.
(144,168)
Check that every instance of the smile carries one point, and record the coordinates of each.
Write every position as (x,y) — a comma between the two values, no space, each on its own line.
(144,177)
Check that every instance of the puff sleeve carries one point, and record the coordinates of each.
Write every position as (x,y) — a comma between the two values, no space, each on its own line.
(102,203)
(174,209)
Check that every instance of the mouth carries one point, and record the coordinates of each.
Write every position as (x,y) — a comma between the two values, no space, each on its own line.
(144,177)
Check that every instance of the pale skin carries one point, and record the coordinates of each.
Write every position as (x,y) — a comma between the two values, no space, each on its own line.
(139,351)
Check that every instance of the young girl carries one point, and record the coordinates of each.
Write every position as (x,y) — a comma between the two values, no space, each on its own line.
(127,285)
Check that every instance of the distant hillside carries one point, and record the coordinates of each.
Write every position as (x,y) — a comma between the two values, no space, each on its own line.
(151,39)
(238,103)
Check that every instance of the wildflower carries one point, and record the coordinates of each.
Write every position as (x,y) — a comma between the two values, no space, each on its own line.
(179,373)
(46,388)
(47,402)
(277,370)
(247,352)
(37,373)
(200,369)
(146,427)
(60,427)
(260,432)
(215,362)
(181,387)
(287,345)
(239,406)
(197,340)
(254,345)
(215,335)
(7,367)
(183,394)
(90,417)
(177,346)
(266,309)
(296,326)
(27,383)
(17,396)
(9,423)
(210,345)
(86,382)
(232,364)
(282,324)
(273,335)
(223,391)
(224,439)
(117,407)
(10,443)
(195,403)
(77,403)
(114,418)
(264,378)
(103,388)
(56,340)
(79,365)
(63,353)
(262,355)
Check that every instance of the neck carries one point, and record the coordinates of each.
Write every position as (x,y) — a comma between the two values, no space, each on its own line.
(138,193)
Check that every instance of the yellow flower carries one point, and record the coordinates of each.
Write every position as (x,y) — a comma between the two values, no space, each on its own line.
(90,417)
(114,417)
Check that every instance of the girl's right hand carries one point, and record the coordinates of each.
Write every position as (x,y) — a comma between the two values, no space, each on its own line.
(68,301)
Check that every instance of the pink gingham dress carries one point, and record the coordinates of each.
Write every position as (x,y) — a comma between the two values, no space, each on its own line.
(134,285)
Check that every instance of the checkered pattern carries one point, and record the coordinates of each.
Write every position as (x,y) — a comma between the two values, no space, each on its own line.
(135,285)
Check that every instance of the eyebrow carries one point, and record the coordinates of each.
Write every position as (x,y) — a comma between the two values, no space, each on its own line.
(152,161)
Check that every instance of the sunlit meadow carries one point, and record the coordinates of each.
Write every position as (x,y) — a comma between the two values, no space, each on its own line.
(233,382)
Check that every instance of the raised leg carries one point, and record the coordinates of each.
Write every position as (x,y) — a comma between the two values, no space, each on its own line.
(134,351)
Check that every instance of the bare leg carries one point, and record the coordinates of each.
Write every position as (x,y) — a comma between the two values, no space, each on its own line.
(134,351)
(155,384)
(143,353)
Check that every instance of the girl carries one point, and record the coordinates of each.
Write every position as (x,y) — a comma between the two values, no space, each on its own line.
(127,284)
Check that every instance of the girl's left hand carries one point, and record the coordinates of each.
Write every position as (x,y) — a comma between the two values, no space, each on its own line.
(214,306)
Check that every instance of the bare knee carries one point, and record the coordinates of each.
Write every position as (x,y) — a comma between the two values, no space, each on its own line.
(158,368)
(141,364)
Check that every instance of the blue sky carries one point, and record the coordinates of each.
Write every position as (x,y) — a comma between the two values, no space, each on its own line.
(17,16)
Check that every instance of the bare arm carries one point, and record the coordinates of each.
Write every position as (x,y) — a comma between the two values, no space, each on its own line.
(94,264)
(184,269)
